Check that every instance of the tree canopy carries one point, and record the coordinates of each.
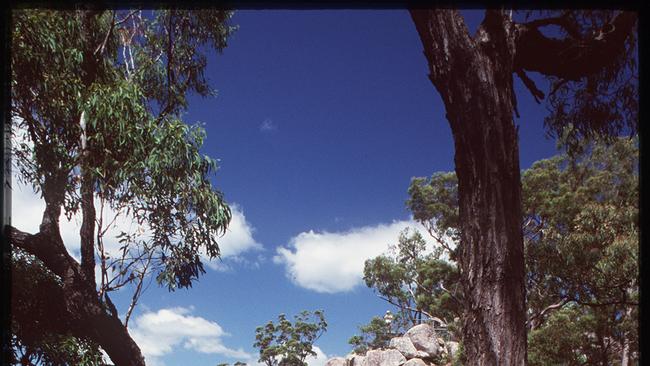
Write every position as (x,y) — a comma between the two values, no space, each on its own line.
(581,248)
(97,98)
(417,280)
(287,343)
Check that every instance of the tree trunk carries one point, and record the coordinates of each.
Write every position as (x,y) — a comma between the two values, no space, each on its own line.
(87,230)
(474,78)
(75,303)
(625,351)
(79,303)
(88,76)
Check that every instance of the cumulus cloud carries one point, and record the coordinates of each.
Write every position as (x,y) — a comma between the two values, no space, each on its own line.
(161,332)
(237,240)
(319,360)
(331,262)
(27,209)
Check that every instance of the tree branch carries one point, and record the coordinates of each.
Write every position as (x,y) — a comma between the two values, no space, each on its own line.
(530,85)
(532,320)
(570,58)
(100,49)
(138,291)
(404,307)
(86,315)
(562,21)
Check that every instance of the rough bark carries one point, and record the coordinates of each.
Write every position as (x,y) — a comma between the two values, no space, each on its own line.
(88,76)
(474,77)
(625,349)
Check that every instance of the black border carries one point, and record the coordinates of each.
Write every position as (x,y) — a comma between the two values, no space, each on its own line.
(644,197)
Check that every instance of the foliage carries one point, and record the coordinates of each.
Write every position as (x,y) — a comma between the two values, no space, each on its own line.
(97,100)
(288,344)
(563,339)
(142,160)
(31,343)
(581,246)
(375,335)
(417,282)
(439,216)
(603,104)
(581,225)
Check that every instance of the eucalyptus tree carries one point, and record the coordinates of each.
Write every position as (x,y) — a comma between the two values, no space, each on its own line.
(287,343)
(581,240)
(590,64)
(97,98)
(416,280)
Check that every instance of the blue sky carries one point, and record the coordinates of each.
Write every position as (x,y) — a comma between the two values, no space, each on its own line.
(321,120)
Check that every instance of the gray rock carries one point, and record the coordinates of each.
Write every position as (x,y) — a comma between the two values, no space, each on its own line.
(389,357)
(422,355)
(336,361)
(404,346)
(453,347)
(424,339)
(415,362)
(355,360)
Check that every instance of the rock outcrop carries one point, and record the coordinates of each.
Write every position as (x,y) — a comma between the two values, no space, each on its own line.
(337,361)
(419,346)
(388,357)
(424,339)
(404,346)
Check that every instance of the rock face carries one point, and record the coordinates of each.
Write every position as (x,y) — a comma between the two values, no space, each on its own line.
(404,346)
(415,362)
(420,346)
(336,361)
(424,339)
(453,347)
(389,357)
(355,360)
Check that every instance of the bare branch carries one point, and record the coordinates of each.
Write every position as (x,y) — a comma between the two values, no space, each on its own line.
(562,21)
(571,58)
(530,85)
(432,233)
(533,320)
(405,307)
(100,49)
(138,291)
(132,13)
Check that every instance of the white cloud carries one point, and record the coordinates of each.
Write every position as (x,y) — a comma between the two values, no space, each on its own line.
(332,262)
(27,210)
(160,333)
(319,360)
(268,125)
(237,240)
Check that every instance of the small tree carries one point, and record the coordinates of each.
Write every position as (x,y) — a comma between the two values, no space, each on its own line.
(377,334)
(288,344)
(416,282)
